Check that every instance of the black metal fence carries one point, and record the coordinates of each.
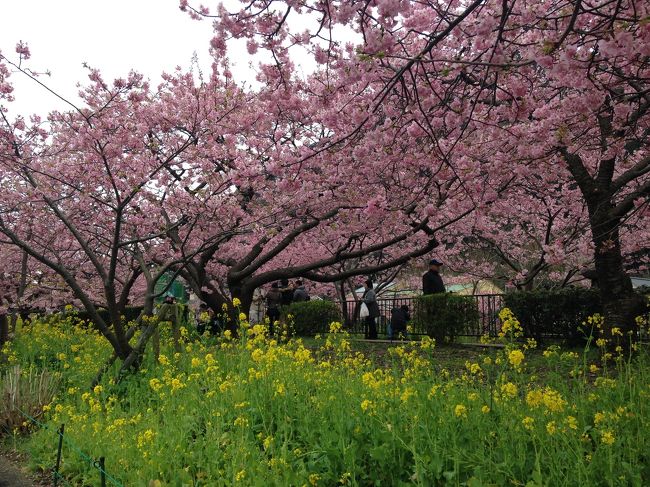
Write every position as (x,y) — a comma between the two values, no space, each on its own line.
(488,306)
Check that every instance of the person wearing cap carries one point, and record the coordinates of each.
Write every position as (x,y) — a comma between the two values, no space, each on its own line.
(431,280)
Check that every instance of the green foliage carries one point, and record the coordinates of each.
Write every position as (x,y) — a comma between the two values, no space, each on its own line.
(131,313)
(311,317)
(445,316)
(251,411)
(557,313)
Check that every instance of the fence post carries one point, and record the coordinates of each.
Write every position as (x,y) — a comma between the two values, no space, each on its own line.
(58,456)
(102,471)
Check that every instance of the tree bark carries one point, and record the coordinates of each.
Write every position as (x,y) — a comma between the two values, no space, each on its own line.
(4,329)
(619,302)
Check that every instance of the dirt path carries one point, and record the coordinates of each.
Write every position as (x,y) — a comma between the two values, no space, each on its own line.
(12,476)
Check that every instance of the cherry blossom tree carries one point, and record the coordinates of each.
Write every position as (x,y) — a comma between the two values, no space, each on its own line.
(526,238)
(557,88)
(82,191)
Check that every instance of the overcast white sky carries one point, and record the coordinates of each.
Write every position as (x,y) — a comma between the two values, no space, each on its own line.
(150,36)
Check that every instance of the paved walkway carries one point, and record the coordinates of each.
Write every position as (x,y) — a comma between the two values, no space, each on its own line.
(10,476)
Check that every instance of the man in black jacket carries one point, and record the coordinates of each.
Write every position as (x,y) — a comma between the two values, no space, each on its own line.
(431,280)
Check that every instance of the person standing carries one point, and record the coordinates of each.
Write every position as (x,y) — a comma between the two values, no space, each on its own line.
(300,294)
(273,303)
(431,280)
(370,300)
(399,317)
(287,292)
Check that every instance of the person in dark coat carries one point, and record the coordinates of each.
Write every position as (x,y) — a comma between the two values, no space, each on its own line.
(273,303)
(399,317)
(431,280)
(287,292)
(370,300)
(300,294)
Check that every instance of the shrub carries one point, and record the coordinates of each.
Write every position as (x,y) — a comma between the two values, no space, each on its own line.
(445,316)
(556,313)
(311,317)
(23,391)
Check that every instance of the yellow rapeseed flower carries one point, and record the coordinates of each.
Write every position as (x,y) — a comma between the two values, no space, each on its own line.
(366,405)
(509,390)
(516,357)
(551,428)
(407,394)
(176,384)
(607,438)
(572,422)
(241,421)
(335,327)
(427,343)
(528,422)
(155,384)
(268,441)
(473,368)
(460,411)
(145,437)
(530,343)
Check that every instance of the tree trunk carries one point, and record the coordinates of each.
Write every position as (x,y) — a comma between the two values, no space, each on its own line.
(245,296)
(4,329)
(13,323)
(133,360)
(619,302)
(340,292)
(215,302)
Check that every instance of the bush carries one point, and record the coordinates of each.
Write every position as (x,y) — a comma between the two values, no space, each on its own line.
(445,316)
(311,317)
(23,391)
(557,313)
